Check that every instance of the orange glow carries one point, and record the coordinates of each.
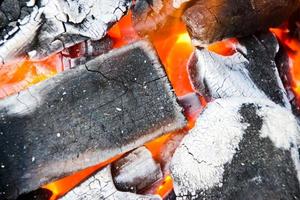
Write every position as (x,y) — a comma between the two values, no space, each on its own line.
(165,187)
(226,47)
(123,32)
(62,186)
(175,51)
(15,77)
(292,46)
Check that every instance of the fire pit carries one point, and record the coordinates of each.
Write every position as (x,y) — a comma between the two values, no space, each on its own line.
(164,99)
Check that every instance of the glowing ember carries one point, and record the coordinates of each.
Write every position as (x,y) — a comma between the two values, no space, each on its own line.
(61,187)
(292,47)
(15,77)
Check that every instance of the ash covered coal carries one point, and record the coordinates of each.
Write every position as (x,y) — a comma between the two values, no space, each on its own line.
(240,148)
(40,28)
(250,72)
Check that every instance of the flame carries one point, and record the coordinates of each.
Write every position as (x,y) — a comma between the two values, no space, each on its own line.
(292,47)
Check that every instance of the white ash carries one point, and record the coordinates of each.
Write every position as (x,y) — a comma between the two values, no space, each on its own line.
(250,72)
(101,186)
(136,171)
(198,163)
(59,24)
(222,78)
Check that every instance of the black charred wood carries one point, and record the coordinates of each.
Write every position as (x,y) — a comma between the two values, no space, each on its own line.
(210,21)
(84,116)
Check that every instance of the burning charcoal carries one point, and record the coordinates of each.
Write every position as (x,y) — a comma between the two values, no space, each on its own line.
(84,116)
(240,148)
(136,171)
(250,72)
(101,186)
(85,51)
(209,20)
(51,26)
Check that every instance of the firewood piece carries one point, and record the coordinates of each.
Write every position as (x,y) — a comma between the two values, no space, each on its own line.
(101,186)
(209,20)
(136,171)
(52,26)
(84,116)
(240,148)
(250,72)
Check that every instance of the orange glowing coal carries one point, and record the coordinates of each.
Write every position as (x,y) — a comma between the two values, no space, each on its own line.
(15,77)
(292,47)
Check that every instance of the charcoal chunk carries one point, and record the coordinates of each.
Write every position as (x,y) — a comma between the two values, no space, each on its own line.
(250,72)
(136,171)
(84,116)
(210,21)
(240,148)
(48,27)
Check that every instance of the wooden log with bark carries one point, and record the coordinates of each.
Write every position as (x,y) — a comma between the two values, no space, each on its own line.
(209,20)
(84,116)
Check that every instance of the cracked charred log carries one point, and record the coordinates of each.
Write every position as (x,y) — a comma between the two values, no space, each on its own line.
(40,28)
(250,72)
(209,20)
(101,186)
(83,116)
(136,171)
(240,148)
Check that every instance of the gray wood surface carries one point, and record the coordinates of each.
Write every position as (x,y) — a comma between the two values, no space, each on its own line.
(84,116)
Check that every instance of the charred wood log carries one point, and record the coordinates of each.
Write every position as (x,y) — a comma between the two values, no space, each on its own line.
(40,28)
(240,148)
(210,21)
(136,171)
(101,186)
(84,116)
(250,72)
